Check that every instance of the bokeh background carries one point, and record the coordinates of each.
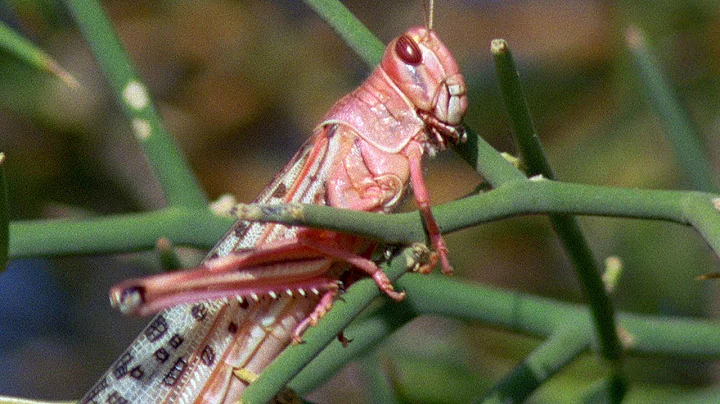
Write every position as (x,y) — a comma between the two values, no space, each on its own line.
(241,84)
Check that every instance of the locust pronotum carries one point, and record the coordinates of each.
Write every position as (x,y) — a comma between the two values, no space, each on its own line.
(264,284)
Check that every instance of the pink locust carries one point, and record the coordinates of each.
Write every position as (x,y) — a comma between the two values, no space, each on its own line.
(264,284)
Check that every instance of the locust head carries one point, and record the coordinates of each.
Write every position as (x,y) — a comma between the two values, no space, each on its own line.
(425,71)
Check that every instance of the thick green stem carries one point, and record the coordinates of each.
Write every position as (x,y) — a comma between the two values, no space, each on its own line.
(590,278)
(518,198)
(115,234)
(487,161)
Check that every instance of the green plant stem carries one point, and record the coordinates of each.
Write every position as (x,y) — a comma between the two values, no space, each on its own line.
(552,355)
(366,333)
(675,119)
(543,317)
(375,374)
(589,275)
(567,227)
(520,313)
(113,234)
(487,161)
(169,260)
(31,54)
(610,389)
(526,137)
(356,299)
(511,310)
(4,217)
(514,199)
(176,178)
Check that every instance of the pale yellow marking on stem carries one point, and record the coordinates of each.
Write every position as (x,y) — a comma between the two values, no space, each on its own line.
(627,339)
(136,96)
(142,128)
(716,204)
(163,245)
(613,270)
(420,259)
(246,212)
(515,161)
(223,205)
(295,210)
(634,38)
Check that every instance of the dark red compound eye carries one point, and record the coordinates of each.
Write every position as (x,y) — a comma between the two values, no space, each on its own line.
(408,50)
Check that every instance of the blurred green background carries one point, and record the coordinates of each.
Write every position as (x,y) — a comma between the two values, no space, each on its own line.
(241,85)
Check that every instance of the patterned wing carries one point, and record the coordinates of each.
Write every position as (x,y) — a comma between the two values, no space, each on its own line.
(186,346)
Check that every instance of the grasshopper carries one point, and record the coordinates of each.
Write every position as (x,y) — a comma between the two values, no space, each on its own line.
(263,285)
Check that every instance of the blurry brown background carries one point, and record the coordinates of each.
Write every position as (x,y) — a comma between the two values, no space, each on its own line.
(241,85)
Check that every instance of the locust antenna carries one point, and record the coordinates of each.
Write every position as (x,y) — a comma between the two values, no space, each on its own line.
(429,13)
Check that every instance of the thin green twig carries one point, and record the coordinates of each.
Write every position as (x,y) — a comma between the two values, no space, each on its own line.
(551,356)
(567,227)
(589,273)
(609,389)
(176,178)
(679,128)
(525,134)
(169,260)
(31,54)
(366,333)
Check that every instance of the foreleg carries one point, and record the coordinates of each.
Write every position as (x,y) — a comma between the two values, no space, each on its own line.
(414,154)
